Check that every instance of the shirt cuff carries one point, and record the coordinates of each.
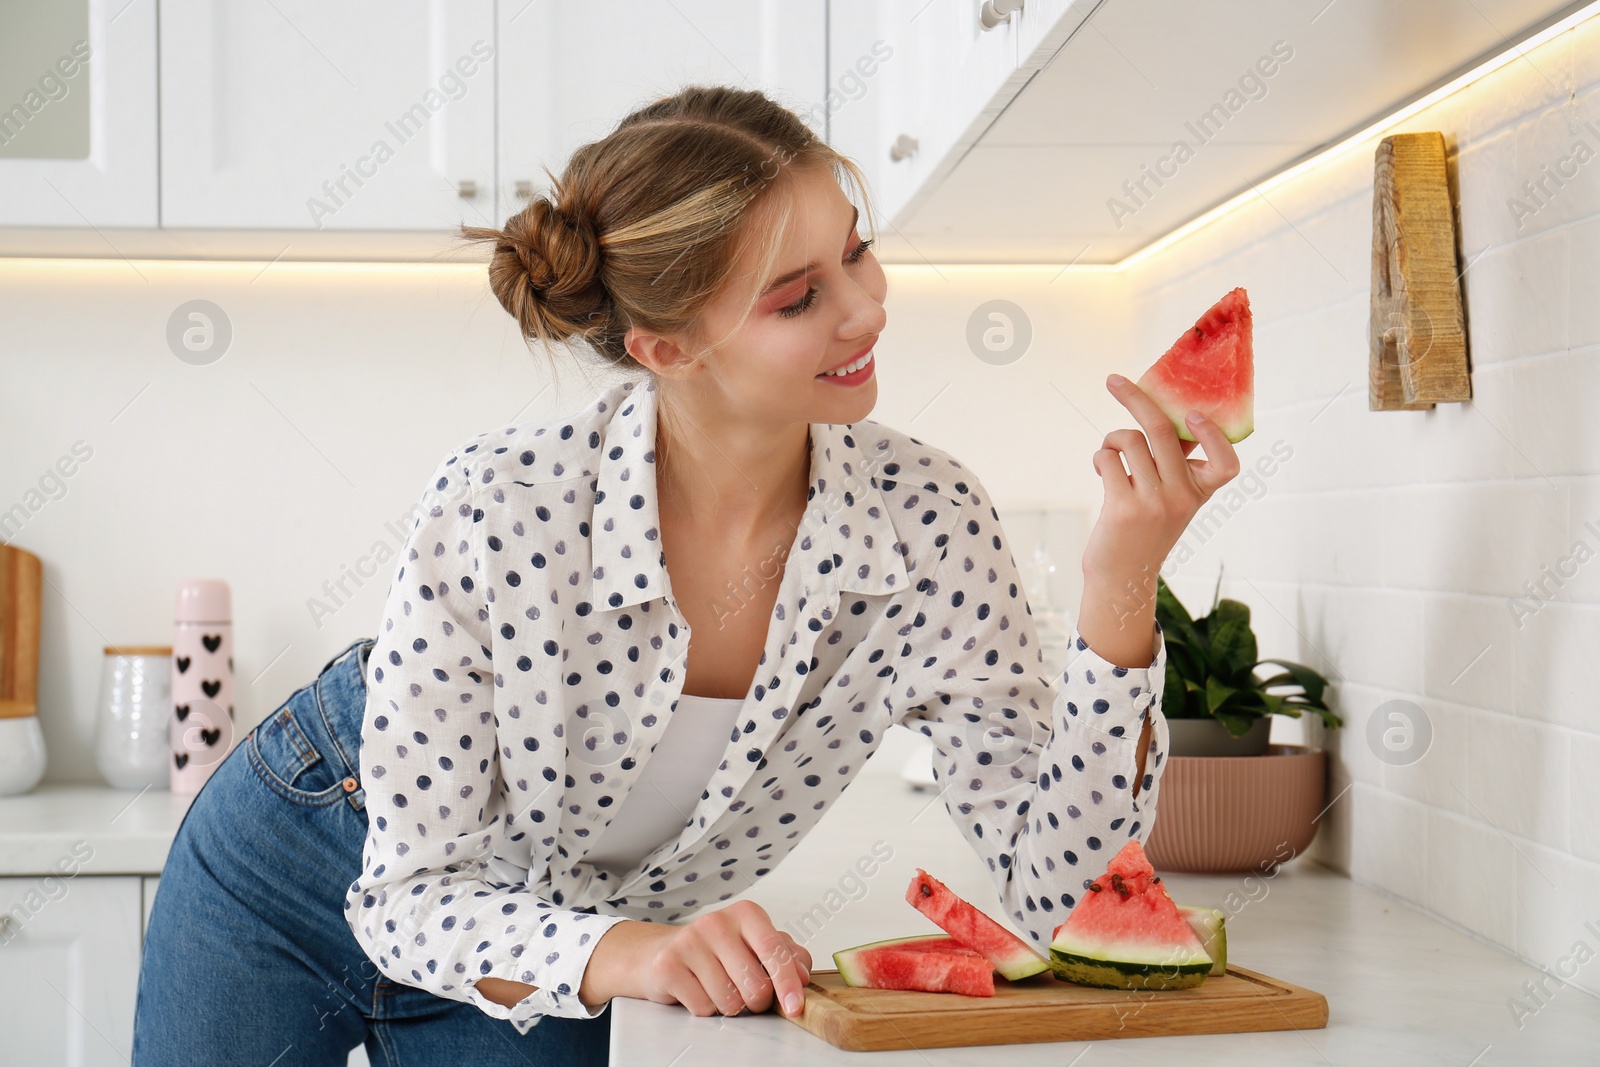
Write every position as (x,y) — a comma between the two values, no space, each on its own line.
(1117,699)
(525,1013)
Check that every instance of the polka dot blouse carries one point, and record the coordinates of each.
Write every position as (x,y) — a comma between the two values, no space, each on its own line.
(532,652)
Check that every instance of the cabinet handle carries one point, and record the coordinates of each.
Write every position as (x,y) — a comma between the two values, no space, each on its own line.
(994,12)
(467,189)
(904,146)
(524,189)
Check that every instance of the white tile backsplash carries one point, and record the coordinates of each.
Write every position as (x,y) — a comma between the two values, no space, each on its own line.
(1405,544)
(1472,874)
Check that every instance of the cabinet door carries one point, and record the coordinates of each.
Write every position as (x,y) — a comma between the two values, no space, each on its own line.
(77,113)
(69,969)
(148,893)
(301,114)
(573,68)
(938,82)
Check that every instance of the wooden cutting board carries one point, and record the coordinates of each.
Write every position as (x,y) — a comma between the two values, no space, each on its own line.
(21,583)
(1042,1008)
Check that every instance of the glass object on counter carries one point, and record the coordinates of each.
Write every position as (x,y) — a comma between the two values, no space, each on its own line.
(135,706)
(1055,629)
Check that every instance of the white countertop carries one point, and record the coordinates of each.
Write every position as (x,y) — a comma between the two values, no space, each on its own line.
(1401,986)
(129,830)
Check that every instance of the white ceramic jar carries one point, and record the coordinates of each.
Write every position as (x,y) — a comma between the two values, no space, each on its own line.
(22,755)
(131,738)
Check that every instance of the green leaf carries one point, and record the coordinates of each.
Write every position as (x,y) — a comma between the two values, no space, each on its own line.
(1313,683)
(1275,704)
(1172,615)
(1231,610)
(1174,696)
(1233,649)
(1216,694)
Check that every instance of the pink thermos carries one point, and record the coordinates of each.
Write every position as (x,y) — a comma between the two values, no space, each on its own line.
(201,731)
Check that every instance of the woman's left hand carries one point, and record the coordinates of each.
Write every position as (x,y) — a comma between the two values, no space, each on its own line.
(1148,507)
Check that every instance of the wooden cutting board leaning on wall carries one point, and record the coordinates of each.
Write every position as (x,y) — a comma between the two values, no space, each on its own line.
(21,580)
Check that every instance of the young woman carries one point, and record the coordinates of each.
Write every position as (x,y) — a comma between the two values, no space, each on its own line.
(630,657)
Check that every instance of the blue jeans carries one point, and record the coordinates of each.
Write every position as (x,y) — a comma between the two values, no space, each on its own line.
(248,958)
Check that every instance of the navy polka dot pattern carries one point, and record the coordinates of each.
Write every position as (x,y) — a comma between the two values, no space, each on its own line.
(532,653)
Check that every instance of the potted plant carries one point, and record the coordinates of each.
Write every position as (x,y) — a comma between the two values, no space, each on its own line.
(1229,799)
(1214,703)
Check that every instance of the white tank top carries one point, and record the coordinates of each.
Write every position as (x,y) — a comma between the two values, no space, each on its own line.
(669,785)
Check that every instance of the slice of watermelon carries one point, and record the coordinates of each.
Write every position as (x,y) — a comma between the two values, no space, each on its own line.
(1126,933)
(1010,954)
(928,964)
(1210,369)
(1210,926)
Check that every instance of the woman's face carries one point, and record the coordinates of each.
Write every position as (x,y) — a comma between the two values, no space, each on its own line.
(804,322)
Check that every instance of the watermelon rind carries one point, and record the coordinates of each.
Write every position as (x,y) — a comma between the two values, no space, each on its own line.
(1093,962)
(1209,925)
(1110,974)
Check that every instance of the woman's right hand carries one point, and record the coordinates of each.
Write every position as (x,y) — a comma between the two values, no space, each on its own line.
(723,961)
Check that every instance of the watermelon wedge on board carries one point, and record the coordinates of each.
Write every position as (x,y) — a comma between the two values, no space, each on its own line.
(1211,369)
(936,964)
(1126,933)
(1210,926)
(1010,954)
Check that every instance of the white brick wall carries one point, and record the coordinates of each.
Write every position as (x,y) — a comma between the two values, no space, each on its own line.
(1386,551)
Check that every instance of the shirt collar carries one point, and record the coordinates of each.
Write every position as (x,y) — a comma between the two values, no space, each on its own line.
(846,524)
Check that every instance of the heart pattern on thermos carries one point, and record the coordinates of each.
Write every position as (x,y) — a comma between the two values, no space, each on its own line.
(211,686)
(182,711)
(183,663)
(211,641)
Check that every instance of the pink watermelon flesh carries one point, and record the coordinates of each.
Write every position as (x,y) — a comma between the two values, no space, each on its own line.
(1126,932)
(1010,954)
(923,963)
(1211,369)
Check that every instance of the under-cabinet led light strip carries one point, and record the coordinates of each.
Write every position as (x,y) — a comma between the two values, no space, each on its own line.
(1514,50)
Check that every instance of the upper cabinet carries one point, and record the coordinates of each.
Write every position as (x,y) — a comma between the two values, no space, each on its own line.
(907,79)
(1000,131)
(569,71)
(306,115)
(77,113)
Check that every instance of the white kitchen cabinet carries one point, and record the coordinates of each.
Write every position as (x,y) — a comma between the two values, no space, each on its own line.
(570,70)
(300,114)
(148,893)
(914,81)
(69,969)
(78,114)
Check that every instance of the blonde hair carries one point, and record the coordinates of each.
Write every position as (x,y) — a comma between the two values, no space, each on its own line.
(645,226)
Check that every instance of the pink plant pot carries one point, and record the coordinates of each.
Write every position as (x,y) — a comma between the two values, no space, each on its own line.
(1221,814)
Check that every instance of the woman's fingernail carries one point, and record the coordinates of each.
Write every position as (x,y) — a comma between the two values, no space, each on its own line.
(1117,379)
(791,1003)
(1195,418)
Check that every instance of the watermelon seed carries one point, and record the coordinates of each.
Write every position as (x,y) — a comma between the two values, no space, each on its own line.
(1156,880)
(927,892)
(1094,887)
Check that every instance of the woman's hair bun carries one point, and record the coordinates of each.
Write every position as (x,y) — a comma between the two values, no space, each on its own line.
(545,271)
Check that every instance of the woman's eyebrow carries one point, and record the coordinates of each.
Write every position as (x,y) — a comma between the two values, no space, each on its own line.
(784,279)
